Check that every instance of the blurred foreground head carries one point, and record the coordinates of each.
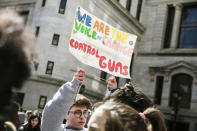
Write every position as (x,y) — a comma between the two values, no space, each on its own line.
(126,109)
(115,116)
(15,57)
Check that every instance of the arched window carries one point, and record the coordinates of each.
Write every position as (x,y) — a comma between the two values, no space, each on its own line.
(180,94)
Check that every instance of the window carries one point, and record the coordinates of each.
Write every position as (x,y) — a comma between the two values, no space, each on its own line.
(55,39)
(139,7)
(62,6)
(37,31)
(25,15)
(188,28)
(43,3)
(180,94)
(20,98)
(103,76)
(42,102)
(49,69)
(158,90)
(128,5)
(169,26)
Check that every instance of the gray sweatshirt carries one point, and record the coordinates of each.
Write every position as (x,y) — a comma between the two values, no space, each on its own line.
(56,109)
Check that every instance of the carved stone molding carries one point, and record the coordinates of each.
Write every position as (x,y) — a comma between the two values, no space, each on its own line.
(168,69)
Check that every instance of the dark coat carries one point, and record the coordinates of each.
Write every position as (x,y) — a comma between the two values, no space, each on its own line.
(27,127)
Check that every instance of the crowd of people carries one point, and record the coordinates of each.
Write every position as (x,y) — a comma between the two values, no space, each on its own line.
(122,109)
(29,120)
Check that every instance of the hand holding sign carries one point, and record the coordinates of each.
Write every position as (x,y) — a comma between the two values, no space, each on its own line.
(80,75)
(98,44)
(112,84)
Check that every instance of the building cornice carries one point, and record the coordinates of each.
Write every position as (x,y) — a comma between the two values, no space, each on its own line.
(170,52)
(121,16)
(117,6)
(58,82)
(168,69)
(47,79)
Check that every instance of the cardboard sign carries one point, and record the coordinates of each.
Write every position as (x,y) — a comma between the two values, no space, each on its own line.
(98,44)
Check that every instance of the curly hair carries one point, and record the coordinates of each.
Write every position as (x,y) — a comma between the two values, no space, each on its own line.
(130,95)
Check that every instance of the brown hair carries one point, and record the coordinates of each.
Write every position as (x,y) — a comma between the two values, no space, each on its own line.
(121,117)
(82,101)
(156,119)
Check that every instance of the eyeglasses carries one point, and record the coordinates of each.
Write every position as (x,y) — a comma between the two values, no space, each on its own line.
(78,113)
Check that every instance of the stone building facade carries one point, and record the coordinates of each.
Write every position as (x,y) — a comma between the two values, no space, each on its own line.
(51,22)
(165,65)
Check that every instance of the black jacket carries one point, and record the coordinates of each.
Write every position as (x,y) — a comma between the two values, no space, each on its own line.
(27,127)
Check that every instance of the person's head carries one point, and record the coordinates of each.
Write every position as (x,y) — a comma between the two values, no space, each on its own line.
(131,96)
(15,56)
(78,113)
(114,116)
(28,115)
(112,83)
(34,121)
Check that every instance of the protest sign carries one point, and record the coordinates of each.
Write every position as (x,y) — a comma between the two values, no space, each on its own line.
(98,44)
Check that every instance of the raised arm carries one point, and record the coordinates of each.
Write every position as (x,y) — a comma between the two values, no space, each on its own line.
(56,109)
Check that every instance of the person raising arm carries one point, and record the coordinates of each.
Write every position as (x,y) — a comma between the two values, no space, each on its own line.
(67,104)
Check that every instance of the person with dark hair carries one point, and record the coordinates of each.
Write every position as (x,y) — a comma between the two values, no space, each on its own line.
(125,109)
(32,125)
(15,58)
(68,104)
(111,85)
(115,116)
(128,94)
